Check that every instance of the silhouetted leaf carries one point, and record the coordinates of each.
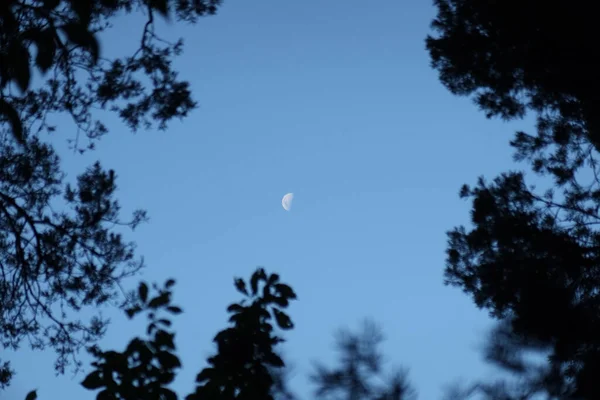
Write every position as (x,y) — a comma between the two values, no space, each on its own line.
(143,292)
(283,320)
(46,51)
(279,300)
(174,309)
(165,339)
(235,308)
(205,374)
(164,322)
(241,286)
(170,283)
(258,276)
(105,395)
(131,312)
(168,394)
(31,395)
(235,318)
(159,301)
(79,35)
(168,360)
(93,381)
(150,328)
(275,360)
(273,278)
(8,111)
(285,291)
(19,55)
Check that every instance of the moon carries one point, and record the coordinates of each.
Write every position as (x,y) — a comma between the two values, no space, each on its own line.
(286,202)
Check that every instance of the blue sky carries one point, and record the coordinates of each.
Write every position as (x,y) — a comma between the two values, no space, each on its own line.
(334,101)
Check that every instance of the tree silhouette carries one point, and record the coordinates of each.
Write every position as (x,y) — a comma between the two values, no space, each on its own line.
(241,369)
(247,364)
(59,251)
(147,366)
(528,267)
(518,55)
(359,373)
(532,260)
(245,351)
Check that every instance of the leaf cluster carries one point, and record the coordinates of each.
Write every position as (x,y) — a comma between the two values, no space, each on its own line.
(245,351)
(243,367)
(147,366)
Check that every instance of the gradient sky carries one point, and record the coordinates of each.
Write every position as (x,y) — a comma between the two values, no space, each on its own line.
(334,101)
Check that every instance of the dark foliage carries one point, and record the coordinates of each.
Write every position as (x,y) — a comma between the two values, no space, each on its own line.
(247,364)
(147,366)
(242,368)
(538,271)
(514,55)
(65,36)
(245,352)
(359,373)
(532,260)
(59,251)
(56,259)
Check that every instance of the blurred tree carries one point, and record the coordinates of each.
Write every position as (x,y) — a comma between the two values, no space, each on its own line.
(524,373)
(532,260)
(359,373)
(59,252)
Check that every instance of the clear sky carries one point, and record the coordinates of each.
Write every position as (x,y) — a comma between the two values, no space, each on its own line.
(334,101)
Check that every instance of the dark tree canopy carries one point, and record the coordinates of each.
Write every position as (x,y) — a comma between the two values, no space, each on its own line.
(59,250)
(64,36)
(536,263)
(533,260)
(516,55)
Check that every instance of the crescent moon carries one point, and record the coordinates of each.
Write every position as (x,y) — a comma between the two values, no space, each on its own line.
(286,202)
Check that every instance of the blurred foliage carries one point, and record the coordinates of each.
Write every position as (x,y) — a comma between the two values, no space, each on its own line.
(358,375)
